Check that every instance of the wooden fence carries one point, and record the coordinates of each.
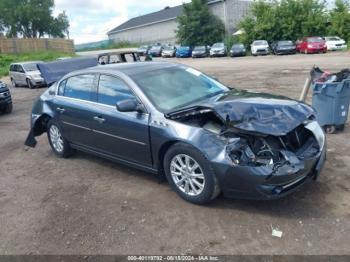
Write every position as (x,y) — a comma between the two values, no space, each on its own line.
(27,45)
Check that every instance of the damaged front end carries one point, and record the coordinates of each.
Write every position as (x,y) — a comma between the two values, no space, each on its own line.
(258,164)
(284,162)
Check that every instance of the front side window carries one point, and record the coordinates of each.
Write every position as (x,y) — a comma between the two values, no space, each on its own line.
(112,90)
(79,87)
(30,67)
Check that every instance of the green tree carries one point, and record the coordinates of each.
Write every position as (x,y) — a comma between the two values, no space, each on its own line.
(339,20)
(198,26)
(31,19)
(284,20)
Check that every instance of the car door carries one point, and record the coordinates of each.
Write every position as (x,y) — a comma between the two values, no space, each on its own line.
(73,104)
(121,134)
(15,74)
(21,74)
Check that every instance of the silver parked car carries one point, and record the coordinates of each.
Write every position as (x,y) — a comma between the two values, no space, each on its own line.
(26,74)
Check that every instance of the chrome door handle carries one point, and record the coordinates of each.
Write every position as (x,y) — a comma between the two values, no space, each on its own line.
(99,119)
(60,109)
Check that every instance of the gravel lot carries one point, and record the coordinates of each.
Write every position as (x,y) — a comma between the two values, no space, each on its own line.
(85,205)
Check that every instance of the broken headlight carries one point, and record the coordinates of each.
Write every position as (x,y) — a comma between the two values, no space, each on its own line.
(241,153)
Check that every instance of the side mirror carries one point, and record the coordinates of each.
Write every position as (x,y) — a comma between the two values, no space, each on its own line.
(129,105)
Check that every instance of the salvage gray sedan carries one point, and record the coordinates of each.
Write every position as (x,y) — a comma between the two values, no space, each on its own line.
(171,119)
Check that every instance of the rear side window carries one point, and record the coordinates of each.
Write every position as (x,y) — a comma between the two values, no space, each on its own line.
(79,87)
(112,90)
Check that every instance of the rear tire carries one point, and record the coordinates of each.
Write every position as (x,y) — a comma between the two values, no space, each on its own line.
(59,145)
(190,175)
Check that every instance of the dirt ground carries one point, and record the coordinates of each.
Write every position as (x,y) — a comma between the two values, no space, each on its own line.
(86,205)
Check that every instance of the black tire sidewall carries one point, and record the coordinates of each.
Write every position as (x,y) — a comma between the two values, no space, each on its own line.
(210,182)
(29,84)
(8,108)
(66,147)
(13,82)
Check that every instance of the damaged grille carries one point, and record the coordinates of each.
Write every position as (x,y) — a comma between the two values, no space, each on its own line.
(298,144)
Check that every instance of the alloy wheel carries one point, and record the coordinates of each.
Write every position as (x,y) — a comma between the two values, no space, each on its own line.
(56,139)
(187,175)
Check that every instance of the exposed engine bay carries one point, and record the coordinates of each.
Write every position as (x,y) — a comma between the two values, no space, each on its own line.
(246,148)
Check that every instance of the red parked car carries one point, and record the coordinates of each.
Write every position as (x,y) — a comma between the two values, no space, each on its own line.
(310,45)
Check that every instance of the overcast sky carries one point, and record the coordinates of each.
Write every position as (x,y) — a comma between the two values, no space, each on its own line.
(91,19)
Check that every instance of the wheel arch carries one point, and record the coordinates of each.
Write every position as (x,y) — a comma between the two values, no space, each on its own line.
(165,147)
(40,125)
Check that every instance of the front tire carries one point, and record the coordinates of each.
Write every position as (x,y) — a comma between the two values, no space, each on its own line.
(13,82)
(29,84)
(190,175)
(8,109)
(58,143)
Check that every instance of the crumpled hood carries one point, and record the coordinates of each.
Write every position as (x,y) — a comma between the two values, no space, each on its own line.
(255,112)
(262,113)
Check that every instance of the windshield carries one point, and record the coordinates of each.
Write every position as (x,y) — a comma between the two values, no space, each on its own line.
(282,43)
(169,48)
(143,47)
(30,67)
(238,46)
(184,48)
(155,48)
(315,40)
(262,42)
(199,48)
(172,88)
(217,45)
(332,38)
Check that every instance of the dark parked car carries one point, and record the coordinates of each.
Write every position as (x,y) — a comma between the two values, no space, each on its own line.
(200,51)
(169,51)
(143,50)
(5,99)
(238,50)
(283,47)
(183,51)
(165,117)
(156,51)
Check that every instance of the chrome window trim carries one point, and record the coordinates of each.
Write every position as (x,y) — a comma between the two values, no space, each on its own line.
(96,90)
(93,103)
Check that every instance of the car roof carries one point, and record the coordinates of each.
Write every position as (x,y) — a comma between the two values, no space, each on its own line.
(130,69)
(27,62)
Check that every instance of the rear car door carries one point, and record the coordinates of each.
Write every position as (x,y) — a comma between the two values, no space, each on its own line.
(15,74)
(21,74)
(73,104)
(121,134)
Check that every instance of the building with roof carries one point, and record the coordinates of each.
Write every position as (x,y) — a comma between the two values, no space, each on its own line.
(160,26)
